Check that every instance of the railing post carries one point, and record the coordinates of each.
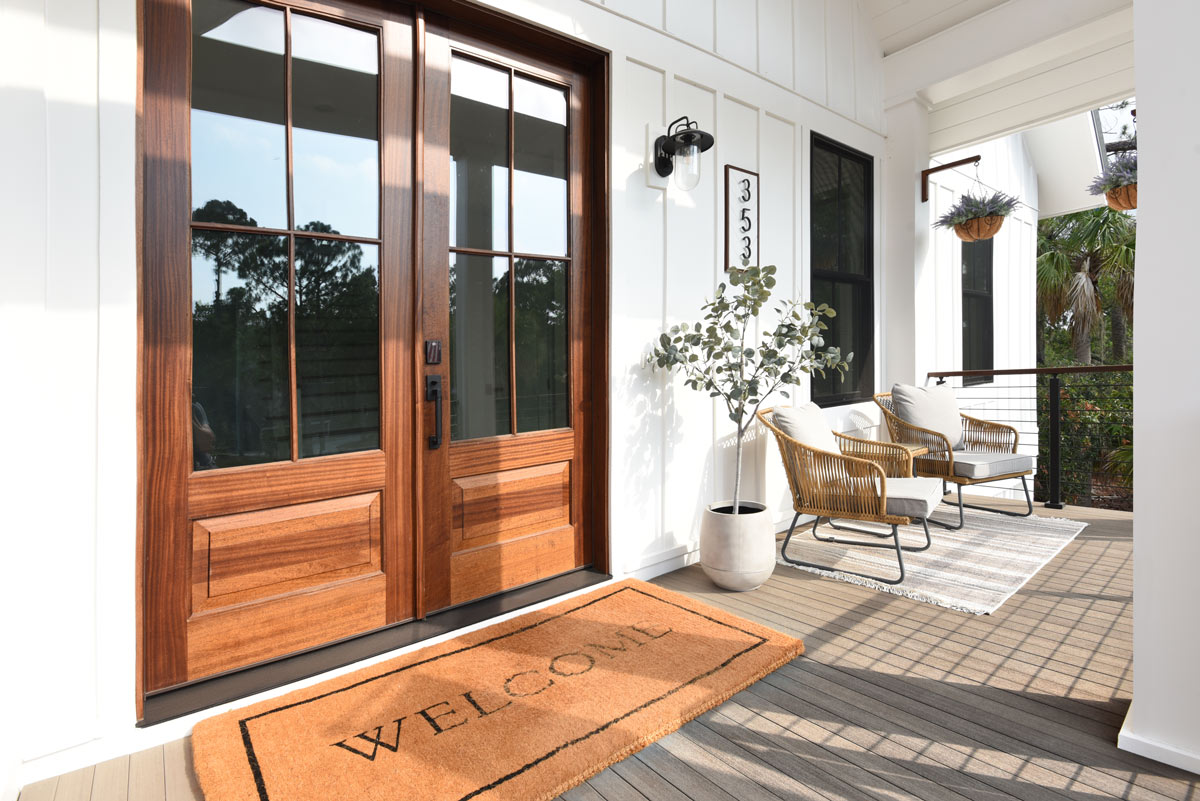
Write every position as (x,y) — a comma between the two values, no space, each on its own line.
(1054,501)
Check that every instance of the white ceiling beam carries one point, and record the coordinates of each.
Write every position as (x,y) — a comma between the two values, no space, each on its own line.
(986,37)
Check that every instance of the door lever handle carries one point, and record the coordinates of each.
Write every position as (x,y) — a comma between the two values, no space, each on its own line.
(433,392)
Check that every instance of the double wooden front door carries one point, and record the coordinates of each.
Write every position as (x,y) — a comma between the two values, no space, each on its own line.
(366,327)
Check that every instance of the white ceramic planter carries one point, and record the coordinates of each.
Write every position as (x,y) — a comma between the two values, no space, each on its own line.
(737,551)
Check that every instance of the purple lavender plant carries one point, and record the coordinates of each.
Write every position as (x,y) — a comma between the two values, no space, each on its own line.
(1121,171)
(970,207)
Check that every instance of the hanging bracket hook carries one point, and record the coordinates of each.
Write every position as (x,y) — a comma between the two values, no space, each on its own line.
(926,173)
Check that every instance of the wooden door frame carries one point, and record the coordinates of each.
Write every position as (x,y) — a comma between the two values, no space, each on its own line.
(162,438)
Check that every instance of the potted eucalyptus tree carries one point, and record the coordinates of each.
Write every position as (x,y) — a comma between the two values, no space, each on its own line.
(737,538)
(976,217)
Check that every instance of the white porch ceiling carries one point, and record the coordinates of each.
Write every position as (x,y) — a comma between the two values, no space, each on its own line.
(900,23)
(988,68)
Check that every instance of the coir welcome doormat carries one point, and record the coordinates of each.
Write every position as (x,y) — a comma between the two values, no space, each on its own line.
(522,710)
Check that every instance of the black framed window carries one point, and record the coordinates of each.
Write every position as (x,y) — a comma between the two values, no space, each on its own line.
(843,265)
(977,313)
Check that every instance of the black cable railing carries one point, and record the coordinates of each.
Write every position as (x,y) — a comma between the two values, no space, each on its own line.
(1078,421)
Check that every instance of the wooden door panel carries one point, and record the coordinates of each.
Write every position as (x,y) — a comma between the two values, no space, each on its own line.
(253,555)
(243,635)
(495,507)
(492,455)
(504,565)
(256,574)
(244,489)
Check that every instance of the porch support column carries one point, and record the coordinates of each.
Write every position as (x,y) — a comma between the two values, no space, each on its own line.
(905,299)
(1163,721)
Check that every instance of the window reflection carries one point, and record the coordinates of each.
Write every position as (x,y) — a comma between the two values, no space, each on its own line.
(337,345)
(240,407)
(478,156)
(238,111)
(479,380)
(540,168)
(335,126)
(540,301)
(847,331)
(825,218)
(854,218)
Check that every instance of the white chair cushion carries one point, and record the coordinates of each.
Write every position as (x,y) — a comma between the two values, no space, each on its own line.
(913,497)
(806,424)
(934,408)
(981,465)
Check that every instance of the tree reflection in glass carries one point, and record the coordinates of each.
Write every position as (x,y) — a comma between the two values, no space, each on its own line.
(337,344)
(540,301)
(241,412)
(240,408)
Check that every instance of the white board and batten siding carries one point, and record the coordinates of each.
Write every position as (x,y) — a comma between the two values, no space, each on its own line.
(762,76)
(759,77)
(1005,166)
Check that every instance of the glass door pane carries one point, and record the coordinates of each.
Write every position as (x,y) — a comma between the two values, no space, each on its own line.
(540,168)
(241,412)
(239,138)
(479,373)
(335,127)
(337,346)
(478,156)
(540,302)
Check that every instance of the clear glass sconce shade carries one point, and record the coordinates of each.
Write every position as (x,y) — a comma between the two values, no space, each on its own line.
(687,167)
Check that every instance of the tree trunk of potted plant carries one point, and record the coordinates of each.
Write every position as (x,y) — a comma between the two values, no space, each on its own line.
(737,537)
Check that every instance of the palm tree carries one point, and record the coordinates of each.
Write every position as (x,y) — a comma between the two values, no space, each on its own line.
(1077,254)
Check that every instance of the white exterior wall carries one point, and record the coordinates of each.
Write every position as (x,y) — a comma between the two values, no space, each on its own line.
(68,360)
(1005,166)
(1164,721)
(762,76)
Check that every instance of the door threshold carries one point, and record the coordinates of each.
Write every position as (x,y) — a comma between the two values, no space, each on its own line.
(184,699)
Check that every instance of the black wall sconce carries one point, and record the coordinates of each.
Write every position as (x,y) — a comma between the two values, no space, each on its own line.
(683,141)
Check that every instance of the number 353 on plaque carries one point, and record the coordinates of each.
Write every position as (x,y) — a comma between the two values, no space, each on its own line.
(741,217)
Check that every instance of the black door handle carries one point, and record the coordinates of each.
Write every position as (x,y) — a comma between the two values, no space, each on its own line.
(433,392)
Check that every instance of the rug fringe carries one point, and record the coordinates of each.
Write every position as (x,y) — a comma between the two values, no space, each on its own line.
(939,600)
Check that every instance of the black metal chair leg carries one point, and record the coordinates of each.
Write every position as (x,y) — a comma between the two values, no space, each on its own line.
(895,544)
(836,527)
(960,512)
(882,534)
(1028,505)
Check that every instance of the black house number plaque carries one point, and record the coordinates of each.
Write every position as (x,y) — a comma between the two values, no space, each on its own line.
(741,217)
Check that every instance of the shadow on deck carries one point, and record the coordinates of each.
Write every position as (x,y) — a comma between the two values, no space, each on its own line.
(894,699)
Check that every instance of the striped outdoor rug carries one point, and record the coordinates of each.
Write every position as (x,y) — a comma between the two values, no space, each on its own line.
(972,570)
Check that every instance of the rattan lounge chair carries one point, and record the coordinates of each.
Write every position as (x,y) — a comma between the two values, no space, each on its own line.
(988,453)
(867,481)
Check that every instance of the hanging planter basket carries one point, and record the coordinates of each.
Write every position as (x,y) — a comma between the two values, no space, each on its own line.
(979,228)
(1118,182)
(1122,198)
(976,217)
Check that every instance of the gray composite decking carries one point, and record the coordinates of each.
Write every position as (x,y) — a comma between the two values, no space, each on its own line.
(894,699)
